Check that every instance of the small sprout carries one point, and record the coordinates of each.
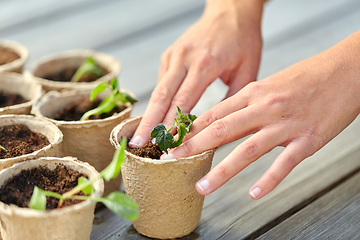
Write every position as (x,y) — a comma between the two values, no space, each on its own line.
(165,139)
(118,202)
(88,66)
(3,149)
(110,102)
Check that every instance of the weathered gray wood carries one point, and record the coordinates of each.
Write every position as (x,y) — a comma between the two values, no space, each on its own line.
(333,216)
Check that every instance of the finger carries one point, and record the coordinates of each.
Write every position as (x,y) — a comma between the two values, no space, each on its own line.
(160,101)
(243,76)
(243,155)
(217,112)
(164,64)
(232,127)
(292,155)
(200,75)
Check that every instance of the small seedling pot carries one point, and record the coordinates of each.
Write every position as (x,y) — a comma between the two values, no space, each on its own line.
(170,206)
(38,125)
(71,59)
(16,83)
(18,64)
(70,223)
(86,140)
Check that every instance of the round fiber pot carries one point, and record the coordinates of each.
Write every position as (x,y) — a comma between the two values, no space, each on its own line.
(86,140)
(70,223)
(170,206)
(71,59)
(38,125)
(15,83)
(18,64)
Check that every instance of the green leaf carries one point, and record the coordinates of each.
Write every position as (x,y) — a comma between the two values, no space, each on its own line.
(162,138)
(181,134)
(113,169)
(98,89)
(122,205)
(88,66)
(159,128)
(2,148)
(38,200)
(114,84)
(87,190)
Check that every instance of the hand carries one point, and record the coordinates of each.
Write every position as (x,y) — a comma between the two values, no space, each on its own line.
(301,108)
(225,42)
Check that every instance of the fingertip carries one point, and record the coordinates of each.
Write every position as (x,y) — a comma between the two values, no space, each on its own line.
(255,193)
(136,141)
(202,186)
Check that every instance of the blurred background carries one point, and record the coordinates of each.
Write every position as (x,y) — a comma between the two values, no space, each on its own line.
(138,31)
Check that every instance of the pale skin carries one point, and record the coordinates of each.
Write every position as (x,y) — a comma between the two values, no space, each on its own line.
(300,108)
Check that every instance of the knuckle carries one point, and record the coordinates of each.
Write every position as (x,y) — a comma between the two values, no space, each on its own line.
(315,139)
(273,179)
(160,94)
(289,162)
(219,130)
(223,172)
(250,150)
(187,147)
(181,99)
(204,59)
(208,118)
(182,49)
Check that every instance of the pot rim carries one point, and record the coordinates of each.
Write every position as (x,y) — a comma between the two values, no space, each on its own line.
(21,78)
(29,213)
(114,141)
(76,92)
(23,119)
(19,49)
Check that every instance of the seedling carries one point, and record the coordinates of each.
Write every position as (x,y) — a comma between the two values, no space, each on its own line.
(3,149)
(88,66)
(165,139)
(118,202)
(111,101)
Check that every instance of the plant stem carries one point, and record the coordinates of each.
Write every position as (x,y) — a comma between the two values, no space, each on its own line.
(1,147)
(76,190)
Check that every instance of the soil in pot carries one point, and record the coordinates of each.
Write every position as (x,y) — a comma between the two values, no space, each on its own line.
(9,99)
(150,150)
(75,110)
(18,190)
(66,75)
(7,56)
(20,140)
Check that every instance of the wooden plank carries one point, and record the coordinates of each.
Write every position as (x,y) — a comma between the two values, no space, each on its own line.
(333,216)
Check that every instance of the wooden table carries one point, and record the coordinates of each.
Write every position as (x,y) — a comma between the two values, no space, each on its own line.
(320,199)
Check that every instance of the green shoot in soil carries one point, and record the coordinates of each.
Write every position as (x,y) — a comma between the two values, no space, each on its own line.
(111,101)
(88,66)
(165,139)
(2,148)
(118,202)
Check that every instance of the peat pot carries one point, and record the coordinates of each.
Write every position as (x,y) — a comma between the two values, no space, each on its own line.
(86,140)
(71,59)
(70,222)
(18,64)
(15,83)
(170,206)
(38,125)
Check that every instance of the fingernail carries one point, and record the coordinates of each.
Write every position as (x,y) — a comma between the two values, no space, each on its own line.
(153,140)
(167,157)
(255,193)
(135,141)
(203,184)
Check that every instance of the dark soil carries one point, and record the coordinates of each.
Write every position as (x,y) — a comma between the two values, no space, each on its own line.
(75,110)
(18,190)
(150,150)
(9,99)
(19,140)
(66,75)
(7,56)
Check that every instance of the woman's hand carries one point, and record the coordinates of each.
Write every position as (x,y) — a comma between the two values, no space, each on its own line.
(225,43)
(301,108)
